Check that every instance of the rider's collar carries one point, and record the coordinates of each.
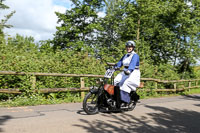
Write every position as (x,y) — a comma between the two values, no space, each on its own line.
(131,53)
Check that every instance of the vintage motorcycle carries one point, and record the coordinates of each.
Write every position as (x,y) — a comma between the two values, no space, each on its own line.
(106,97)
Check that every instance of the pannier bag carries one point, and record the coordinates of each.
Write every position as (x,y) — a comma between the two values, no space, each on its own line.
(109,88)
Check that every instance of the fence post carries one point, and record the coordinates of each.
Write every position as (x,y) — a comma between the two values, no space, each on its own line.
(33,81)
(156,85)
(175,86)
(189,86)
(196,83)
(82,86)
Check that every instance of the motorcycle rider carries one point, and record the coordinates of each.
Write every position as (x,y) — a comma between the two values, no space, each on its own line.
(129,79)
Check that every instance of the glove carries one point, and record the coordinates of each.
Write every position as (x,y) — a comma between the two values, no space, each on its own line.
(127,72)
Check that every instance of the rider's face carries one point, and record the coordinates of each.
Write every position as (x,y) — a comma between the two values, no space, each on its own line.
(129,49)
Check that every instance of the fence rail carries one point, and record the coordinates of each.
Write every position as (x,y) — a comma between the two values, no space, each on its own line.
(82,88)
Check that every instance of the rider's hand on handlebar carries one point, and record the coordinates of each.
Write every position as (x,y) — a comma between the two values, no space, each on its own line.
(127,72)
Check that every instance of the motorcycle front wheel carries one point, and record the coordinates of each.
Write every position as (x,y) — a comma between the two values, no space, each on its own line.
(90,104)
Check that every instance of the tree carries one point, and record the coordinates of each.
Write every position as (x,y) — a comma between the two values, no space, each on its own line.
(4,21)
(178,24)
(78,27)
(169,29)
(166,32)
(114,30)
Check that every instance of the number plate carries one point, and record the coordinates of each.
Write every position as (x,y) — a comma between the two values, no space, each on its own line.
(109,73)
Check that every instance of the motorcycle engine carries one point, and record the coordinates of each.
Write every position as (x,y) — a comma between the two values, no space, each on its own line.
(111,102)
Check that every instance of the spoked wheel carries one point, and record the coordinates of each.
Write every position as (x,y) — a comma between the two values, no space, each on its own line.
(90,104)
(131,105)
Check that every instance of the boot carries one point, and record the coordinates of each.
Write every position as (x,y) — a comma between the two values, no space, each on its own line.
(117,96)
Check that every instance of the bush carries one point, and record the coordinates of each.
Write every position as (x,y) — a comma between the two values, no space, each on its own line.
(21,54)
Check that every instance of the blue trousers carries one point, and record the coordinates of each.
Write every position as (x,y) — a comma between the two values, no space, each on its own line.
(125,97)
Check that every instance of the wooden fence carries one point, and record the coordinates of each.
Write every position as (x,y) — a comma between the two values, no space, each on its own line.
(192,83)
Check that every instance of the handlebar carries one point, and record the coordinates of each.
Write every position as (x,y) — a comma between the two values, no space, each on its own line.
(111,65)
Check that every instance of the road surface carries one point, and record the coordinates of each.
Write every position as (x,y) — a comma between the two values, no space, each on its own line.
(180,114)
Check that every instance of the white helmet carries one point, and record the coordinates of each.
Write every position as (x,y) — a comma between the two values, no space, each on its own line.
(130,43)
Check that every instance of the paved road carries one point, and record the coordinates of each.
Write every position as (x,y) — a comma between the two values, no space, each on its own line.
(160,115)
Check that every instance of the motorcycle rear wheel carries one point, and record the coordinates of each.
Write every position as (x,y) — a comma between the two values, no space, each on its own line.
(131,105)
(90,104)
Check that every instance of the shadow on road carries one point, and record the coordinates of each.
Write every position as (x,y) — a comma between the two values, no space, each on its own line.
(192,97)
(164,120)
(3,119)
(81,112)
(197,105)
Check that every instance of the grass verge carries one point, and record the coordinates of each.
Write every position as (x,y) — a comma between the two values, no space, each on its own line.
(58,98)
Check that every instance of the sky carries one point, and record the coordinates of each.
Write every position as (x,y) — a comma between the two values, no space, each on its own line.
(34,18)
